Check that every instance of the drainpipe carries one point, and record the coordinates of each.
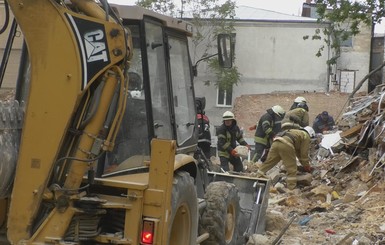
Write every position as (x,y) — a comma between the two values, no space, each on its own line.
(328,67)
(371,53)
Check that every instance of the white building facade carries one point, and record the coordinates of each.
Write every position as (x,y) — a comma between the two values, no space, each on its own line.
(272,55)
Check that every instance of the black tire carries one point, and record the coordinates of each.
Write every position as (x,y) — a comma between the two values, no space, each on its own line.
(10,132)
(220,218)
(184,211)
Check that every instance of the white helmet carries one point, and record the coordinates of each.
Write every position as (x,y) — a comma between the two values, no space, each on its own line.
(278,110)
(310,131)
(228,115)
(300,99)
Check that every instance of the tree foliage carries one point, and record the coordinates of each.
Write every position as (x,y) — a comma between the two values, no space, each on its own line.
(209,17)
(166,7)
(346,17)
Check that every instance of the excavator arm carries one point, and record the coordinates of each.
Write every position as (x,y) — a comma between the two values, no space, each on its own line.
(78,57)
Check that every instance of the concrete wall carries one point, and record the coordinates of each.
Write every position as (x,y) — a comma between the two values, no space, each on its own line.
(357,58)
(275,57)
(272,56)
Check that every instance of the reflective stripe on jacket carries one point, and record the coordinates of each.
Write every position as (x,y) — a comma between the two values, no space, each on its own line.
(228,138)
(269,125)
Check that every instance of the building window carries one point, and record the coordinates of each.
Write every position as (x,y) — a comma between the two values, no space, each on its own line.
(224,97)
(348,43)
(346,39)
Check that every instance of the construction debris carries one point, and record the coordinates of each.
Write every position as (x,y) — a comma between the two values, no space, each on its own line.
(343,202)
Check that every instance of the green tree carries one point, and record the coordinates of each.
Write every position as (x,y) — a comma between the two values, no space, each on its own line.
(209,18)
(166,7)
(345,17)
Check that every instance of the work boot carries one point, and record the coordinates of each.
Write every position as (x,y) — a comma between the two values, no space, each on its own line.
(291,186)
(291,182)
(261,174)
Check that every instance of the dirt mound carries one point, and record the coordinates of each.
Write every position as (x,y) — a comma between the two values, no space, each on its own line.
(249,108)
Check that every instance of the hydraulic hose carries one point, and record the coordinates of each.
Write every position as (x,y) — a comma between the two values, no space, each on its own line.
(7,51)
(6,9)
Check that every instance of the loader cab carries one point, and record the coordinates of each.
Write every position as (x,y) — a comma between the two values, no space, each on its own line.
(162,105)
(160,97)
(160,100)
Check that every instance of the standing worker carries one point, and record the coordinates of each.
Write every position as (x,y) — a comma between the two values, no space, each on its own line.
(204,140)
(228,136)
(268,125)
(298,100)
(296,118)
(289,145)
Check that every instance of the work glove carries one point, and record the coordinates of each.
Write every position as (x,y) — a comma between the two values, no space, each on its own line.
(308,169)
(253,127)
(234,153)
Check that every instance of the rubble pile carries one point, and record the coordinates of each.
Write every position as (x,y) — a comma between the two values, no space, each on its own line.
(344,201)
(248,108)
(7,94)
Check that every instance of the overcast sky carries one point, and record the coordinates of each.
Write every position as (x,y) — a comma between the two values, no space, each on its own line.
(292,7)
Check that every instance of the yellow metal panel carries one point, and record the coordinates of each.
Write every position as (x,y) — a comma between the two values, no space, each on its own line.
(160,185)
(55,76)
(133,219)
(55,222)
(79,168)
(56,80)
(133,181)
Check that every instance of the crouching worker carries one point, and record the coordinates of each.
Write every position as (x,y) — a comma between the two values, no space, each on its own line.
(228,136)
(288,145)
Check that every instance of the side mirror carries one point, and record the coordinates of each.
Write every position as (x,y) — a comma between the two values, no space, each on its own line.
(226,45)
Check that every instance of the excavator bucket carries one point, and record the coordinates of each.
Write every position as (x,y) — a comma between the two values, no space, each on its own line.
(254,194)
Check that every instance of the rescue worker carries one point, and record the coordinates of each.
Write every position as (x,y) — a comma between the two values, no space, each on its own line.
(204,140)
(135,86)
(228,136)
(323,122)
(298,100)
(268,125)
(287,146)
(296,118)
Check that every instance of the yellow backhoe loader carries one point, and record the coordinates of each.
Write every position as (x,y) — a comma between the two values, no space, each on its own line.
(98,145)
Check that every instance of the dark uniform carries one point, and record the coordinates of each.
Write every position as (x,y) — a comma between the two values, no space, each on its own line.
(323,122)
(227,141)
(269,125)
(287,147)
(204,140)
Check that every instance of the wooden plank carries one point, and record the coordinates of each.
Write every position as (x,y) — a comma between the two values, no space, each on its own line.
(351,132)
